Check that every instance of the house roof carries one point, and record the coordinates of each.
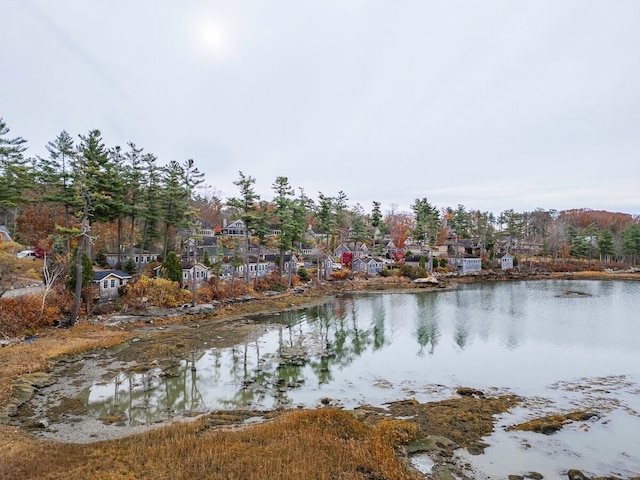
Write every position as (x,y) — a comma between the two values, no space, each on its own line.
(102,274)
(189,265)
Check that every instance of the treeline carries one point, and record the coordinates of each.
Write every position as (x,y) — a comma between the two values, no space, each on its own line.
(87,193)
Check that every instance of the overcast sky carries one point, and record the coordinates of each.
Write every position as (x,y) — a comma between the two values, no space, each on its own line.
(493,104)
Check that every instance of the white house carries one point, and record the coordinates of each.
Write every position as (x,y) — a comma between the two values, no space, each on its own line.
(506,262)
(189,270)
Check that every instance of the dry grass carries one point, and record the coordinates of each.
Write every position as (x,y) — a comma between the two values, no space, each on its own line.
(320,444)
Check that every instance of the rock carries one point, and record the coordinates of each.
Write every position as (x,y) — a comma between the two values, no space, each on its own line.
(201,309)
(576,475)
(469,392)
(430,280)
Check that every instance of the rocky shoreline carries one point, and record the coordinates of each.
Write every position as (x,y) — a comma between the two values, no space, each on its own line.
(155,321)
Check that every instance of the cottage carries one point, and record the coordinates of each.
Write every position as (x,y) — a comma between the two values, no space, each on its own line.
(110,282)
(369,265)
(506,261)
(191,270)
(466,264)
(342,248)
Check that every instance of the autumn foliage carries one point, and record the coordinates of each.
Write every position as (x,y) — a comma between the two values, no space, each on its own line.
(19,315)
(154,291)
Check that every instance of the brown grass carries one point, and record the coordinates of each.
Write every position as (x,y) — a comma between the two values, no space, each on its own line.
(319,444)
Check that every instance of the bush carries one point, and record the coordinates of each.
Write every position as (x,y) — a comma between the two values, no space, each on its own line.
(443,262)
(130,267)
(21,315)
(154,291)
(303,274)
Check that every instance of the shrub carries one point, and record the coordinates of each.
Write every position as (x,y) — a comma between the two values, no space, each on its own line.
(101,259)
(154,291)
(303,274)
(21,315)
(130,267)
(443,262)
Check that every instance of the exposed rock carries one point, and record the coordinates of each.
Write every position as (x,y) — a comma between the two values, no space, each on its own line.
(469,392)
(201,309)
(576,475)
(430,280)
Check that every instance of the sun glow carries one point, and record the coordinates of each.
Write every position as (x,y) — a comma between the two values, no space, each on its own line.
(213,38)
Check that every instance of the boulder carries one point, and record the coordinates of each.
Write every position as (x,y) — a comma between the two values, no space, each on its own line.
(430,280)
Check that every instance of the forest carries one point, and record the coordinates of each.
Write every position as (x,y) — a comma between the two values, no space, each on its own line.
(86,198)
(126,197)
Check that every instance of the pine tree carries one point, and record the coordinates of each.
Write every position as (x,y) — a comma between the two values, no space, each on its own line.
(171,268)
(55,174)
(16,175)
(605,245)
(246,205)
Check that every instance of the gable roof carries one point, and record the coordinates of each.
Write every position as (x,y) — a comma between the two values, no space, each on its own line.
(102,274)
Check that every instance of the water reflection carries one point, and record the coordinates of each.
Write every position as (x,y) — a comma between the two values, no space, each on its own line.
(505,335)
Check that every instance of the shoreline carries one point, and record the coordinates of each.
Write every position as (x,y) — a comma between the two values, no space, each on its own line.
(97,336)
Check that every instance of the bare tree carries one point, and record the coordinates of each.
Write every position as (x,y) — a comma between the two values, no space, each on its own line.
(52,270)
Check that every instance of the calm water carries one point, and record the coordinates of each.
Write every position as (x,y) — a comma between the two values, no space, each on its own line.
(562,344)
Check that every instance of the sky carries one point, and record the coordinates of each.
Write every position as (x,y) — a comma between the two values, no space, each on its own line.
(493,105)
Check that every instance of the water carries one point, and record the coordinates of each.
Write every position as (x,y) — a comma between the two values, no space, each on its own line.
(561,344)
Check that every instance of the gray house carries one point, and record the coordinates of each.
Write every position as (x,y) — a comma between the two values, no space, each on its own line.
(466,264)
(370,265)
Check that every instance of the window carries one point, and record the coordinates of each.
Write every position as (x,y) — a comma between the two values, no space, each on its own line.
(113,283)
(137,260)
(121,282)
(105,284)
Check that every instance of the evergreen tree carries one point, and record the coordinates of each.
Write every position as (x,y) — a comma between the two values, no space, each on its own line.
(56,177)
(284,205)
(605,245)
(86,272)
(171,268)
(631,242)
(151,202)
(326,223)
(173,202)
(246,206)
(16,175)
(133,190)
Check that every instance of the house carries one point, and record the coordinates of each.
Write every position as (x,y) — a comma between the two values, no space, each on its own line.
(4,234)
(235,228)
(342,248)
(370,265)
(506,261)
(197,270)
(466,264)
(110,282)
(141,258)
